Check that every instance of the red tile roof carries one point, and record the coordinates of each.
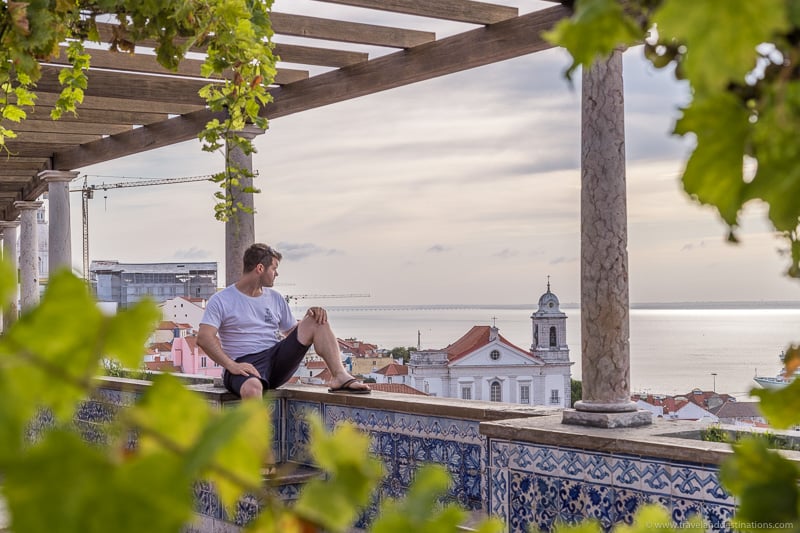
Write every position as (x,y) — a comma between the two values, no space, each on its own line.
(162,346)
(475,338)
(393,369)
(401,388)
(162,366)
(316,365)
(357,347)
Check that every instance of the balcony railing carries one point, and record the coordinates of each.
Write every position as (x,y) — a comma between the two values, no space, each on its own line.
(519,463)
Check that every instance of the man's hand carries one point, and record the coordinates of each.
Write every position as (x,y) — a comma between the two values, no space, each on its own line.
(318,314)
(243,369)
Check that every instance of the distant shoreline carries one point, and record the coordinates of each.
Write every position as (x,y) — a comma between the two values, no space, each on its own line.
(533,306)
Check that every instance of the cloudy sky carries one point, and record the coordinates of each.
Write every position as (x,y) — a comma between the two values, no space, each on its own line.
(462,189)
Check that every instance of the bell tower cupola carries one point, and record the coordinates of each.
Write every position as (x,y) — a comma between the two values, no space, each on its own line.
(549,326)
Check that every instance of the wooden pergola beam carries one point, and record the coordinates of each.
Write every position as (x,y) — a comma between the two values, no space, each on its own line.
(71,128)
(478,47)
(147,63)
(292,53)
(129,86)
(132,105)
(322,57)
(463,51)
(456,10)
(348,32)
(97,116)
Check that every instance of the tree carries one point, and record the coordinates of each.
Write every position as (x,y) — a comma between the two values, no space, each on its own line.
(236,32)
(398,352)
(576,391)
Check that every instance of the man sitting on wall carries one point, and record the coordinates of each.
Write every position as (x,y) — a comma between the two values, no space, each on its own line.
(248,328)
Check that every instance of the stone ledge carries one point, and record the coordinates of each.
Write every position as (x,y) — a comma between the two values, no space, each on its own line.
(422,405)
(662,439)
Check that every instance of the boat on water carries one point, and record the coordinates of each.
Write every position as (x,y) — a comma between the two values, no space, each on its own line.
(779,381)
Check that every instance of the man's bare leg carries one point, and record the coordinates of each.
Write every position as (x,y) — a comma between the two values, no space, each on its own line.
(311,331)
(251,388)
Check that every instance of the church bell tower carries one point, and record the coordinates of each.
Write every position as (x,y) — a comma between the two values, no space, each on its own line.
(549,326)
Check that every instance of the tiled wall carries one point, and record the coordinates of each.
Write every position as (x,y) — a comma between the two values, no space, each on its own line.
(542,485)
(509,474)
(403,442)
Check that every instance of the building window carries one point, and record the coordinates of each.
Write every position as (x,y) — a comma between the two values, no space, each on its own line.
(525,394)
(554,397)
(495,355)
(553,336)
(496,394)
(426,388)
(388,380)
(203,362)
(466,393)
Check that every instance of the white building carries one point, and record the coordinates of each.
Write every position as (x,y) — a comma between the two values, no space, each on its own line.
(184,310)
(483,365)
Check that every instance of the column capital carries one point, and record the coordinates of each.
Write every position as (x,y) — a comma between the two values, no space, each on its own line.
(22,206)
(49,176)
(6,224)
(249,132)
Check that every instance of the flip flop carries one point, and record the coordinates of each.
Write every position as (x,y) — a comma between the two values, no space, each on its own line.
(345,388)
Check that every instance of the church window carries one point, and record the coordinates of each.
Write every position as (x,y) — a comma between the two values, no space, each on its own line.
(553,336)
(554,397)
(466,393)
(525,394)
(496,394)
(495,355)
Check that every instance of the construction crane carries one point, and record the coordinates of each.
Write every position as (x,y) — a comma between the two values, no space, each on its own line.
(290,297)
(87,193)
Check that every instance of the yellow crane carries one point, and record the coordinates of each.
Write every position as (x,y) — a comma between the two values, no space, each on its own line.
(87,193)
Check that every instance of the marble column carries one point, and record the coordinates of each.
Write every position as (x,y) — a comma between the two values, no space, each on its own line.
(240,229)
(605,321)
(59,238)
(28,254)
(9,308)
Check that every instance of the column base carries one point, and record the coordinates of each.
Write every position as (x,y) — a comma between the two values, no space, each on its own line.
(629,419)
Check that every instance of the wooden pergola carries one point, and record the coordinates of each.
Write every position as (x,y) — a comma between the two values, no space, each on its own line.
(133,105)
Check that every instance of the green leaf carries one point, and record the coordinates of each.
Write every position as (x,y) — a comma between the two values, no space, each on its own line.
(128,332)
(780,406)
(238,442)
(85,490)
(721,43)
(715,171)
(596,29)
(420,511)
(168,408)
(765,486)
(334,503)
(55,368)
(777,180)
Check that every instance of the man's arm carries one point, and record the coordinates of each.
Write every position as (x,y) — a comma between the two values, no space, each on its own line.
(208,341)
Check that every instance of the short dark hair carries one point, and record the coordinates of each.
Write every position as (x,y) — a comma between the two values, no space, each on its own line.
(259,253)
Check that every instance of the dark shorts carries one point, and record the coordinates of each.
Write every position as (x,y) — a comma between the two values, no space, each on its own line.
(275,364)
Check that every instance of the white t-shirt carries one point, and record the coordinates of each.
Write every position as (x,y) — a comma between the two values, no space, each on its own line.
(248,324)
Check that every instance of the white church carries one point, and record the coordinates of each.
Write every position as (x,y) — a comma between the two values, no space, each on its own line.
(483,365)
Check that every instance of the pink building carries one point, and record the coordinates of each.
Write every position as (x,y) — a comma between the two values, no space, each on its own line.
(187,356)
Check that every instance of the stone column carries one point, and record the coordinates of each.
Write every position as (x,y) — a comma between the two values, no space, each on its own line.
(59,237)
(240,229)
(28,254)
(9,308)
(605,327)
